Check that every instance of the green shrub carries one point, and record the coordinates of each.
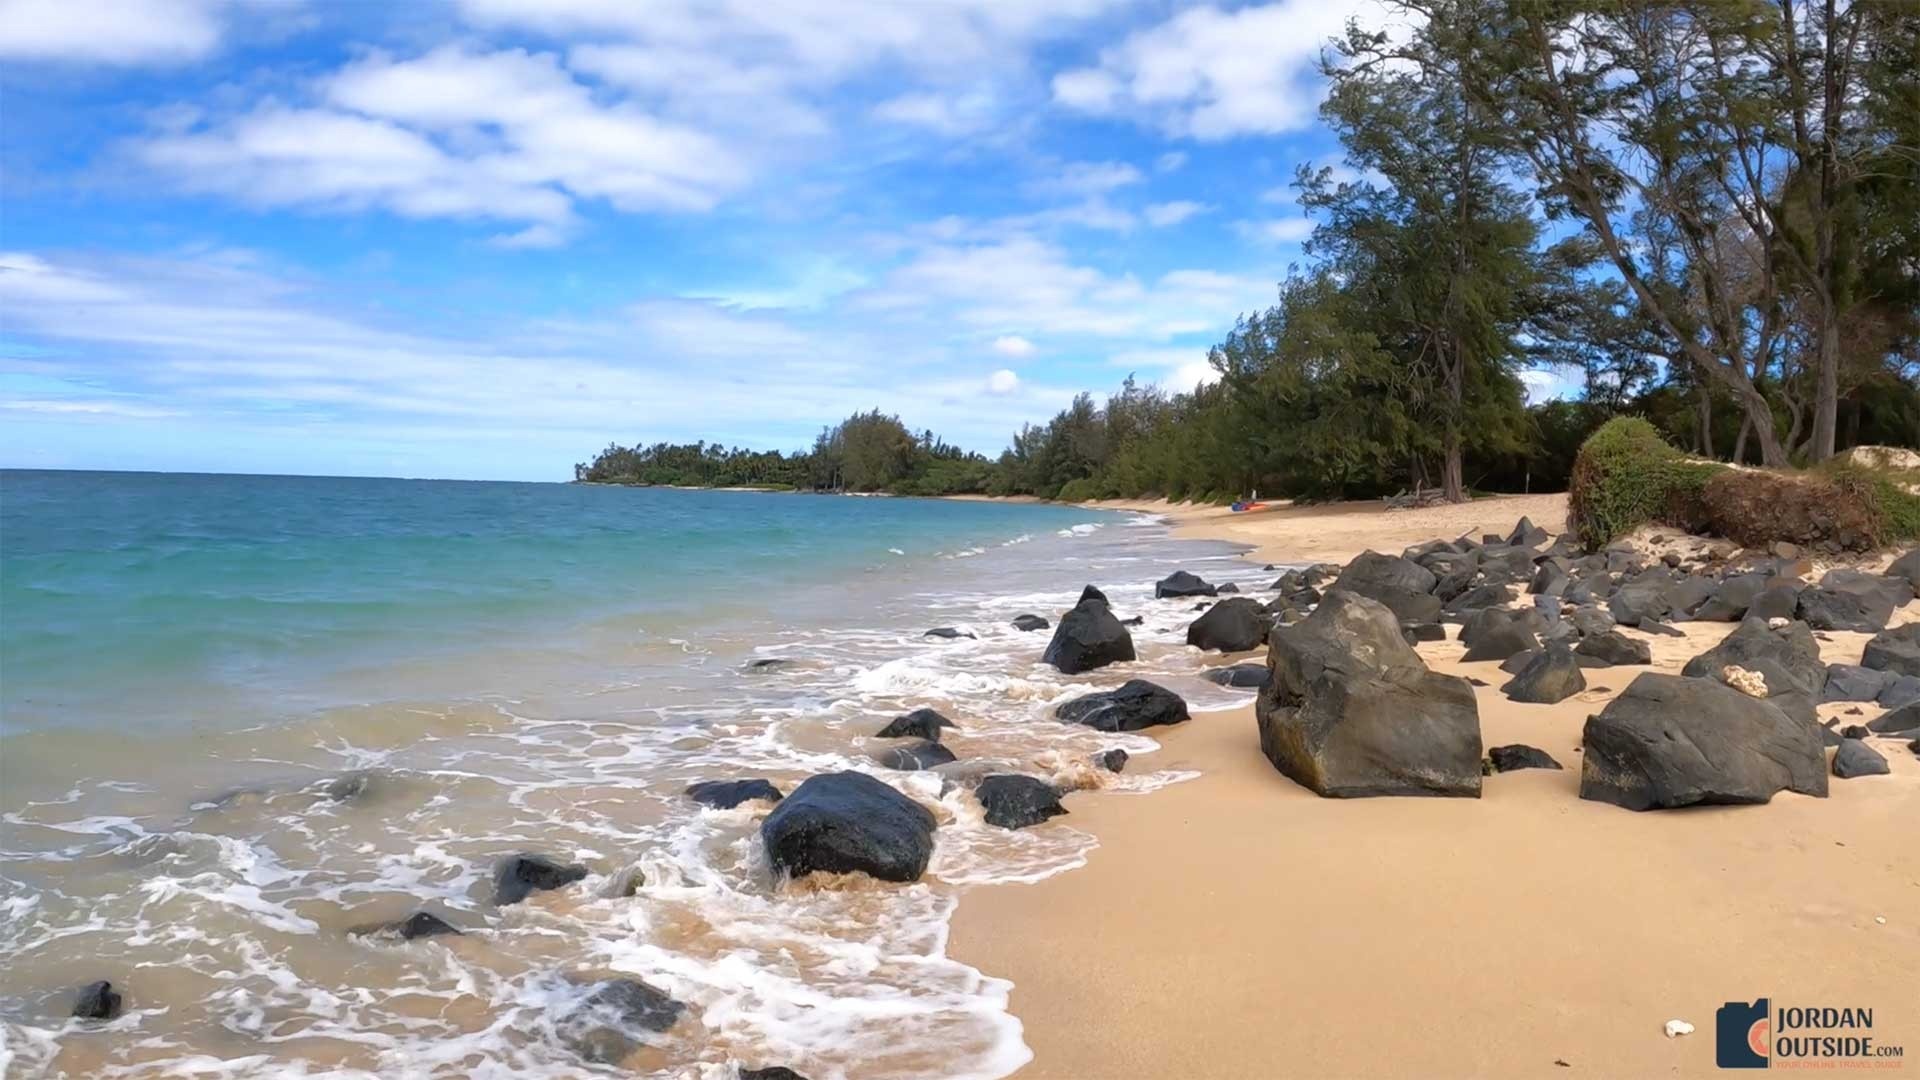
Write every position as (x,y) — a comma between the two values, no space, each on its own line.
(1626,476)
(1901,507)
(1890,497)
(1084,489)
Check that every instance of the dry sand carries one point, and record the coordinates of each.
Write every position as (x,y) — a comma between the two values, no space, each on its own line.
(1239,926)
(1336,532)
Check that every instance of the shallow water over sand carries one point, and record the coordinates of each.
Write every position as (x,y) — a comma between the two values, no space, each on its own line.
(215,867)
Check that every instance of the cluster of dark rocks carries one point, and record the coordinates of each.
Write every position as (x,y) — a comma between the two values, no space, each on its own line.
(1347,708)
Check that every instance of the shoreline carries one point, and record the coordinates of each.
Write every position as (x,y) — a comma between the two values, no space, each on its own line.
(1239,925)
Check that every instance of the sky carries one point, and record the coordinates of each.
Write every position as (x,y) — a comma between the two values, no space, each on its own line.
(484,238)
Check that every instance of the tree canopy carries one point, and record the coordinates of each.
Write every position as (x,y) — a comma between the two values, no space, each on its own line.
(1705,214)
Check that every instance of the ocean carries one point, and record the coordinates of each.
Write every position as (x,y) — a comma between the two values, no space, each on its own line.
(242,716)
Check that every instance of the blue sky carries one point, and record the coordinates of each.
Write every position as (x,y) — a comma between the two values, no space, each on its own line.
(482,238)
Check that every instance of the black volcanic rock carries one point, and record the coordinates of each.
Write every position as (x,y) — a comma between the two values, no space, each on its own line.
(518,876)
(1088,637)
(1137,704)
(1015,802)
(1179,584)
(848,822)
(922,754)
(97,1001)
(918,724)
(727,794)
(1520,756)
(1352,711)
(1670,741)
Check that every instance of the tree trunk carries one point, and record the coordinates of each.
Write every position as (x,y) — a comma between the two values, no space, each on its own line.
(1453,474)
(1773,454)
(1826,401)
(1704,406)
(1740,441)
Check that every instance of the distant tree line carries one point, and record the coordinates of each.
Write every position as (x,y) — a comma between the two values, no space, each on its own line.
(866,452)
(1706,213)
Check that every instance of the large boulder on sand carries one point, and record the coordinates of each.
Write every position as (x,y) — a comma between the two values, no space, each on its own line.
(1902,721)
(1403,585)
(1642,600)
(1670,741)
(1553,675)
(1233,625)
(848,822)
(1896,650)
(1370,569)
(1845,609)
(1088,637)
(1179,584)
(1907,569)
(1852,682)
(1613,647)
(1731,599)
(1352,710)
(1854,758)
(1792,647)
(1135,705)
(1501,640)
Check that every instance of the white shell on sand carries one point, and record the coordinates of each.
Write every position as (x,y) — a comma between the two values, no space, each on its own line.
(1678,1027)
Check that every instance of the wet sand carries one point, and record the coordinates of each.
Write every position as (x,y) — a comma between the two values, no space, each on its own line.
(1238,925)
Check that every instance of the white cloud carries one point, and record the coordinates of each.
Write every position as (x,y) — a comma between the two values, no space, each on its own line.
(1178,368)
(1171,161)
(1190,376)
(1208,73)
(1546,385)
(1173,213)
(1014,345)
(943,114)
(229,343)
(533,237)
(820,41)
(1086,89)
(1287,230)
(1026,282)
(84,407)
(1087,178)
(109,31)
(505,136)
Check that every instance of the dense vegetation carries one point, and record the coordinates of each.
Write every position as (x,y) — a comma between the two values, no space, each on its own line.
(865,452)
(1627,476)
(1707,213)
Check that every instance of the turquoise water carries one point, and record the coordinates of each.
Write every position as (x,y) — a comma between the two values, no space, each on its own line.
(244,716)
(197,593)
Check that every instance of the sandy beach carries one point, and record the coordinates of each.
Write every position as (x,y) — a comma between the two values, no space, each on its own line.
(1238,925)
